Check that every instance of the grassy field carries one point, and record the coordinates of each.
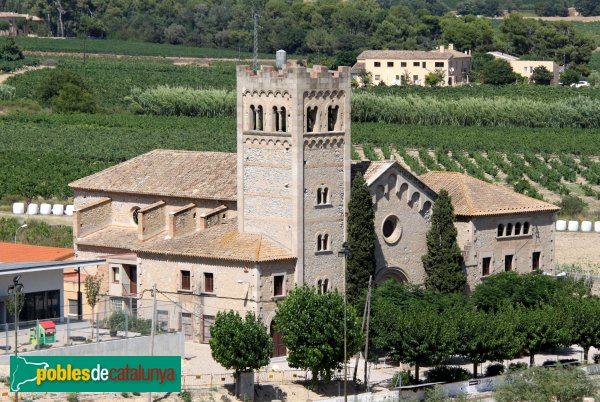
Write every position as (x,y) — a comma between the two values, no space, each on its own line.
(108,46)
(41,153)
(595,62)
(590,28)
(111,80)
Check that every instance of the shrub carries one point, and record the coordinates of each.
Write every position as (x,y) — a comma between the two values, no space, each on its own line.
(186,396)
(125,394)
(56,80)
(175,34)
(7,92)
(497,72)
(73,397)
(179,101)
(9,51)
(569,77)
(494,369)
(447,374)
(72,98)
(572,205)
(403,378)
(541,76)
(512,367)
(550,363)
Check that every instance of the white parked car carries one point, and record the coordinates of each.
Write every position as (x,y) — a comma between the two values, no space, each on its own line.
(580,84)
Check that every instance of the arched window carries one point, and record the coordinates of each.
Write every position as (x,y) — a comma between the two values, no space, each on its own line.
(323,195)
(283,123)
(500,230)
(320,242)
(509,228)
(403,190)
(319,286)
(332,116)
(325,245)
(311,119)
(252,118)
(259,123)
(517,228)
(325,285)
(275,119)
(526,228)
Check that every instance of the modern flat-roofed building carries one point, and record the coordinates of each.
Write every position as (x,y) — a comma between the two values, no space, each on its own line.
(525,67)
(401,67)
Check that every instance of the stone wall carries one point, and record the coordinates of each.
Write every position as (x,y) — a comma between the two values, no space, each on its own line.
(182,221)
(92,216)
(152,220)
(486,243)
(397,195)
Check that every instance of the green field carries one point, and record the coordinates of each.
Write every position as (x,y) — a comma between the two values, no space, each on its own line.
(590,28)
(108,46)
(595,62)
(111,80)
(41,153)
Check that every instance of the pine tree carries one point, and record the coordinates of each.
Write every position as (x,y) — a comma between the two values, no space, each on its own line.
(361,239)
(442,262)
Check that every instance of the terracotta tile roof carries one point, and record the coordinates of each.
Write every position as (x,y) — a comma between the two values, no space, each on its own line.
(369,169)
(188,174)
(410,55)
(473,197)
(10,252)
(222,242)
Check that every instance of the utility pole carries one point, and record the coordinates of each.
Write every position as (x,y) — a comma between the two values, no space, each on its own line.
(368,306)
(153,329)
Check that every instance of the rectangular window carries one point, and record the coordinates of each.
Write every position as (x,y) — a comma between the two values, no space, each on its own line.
(416,64)
(207,322)
(162,317)
(535,260)
(209,282)
(377,77)
(390,64)
(402,64)
(508,262)
(185,280)
(439,64)
(424,65)
(415,78)
(525,68)
(377,64)
(73,307)
(278,285)
(485,266)
(397,78)
(115,274)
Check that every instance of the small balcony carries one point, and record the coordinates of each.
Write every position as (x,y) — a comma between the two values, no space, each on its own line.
(130,289)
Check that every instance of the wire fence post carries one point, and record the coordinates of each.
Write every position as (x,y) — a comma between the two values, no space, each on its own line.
(126,325)
(97,327)
(37,334)
(6,345)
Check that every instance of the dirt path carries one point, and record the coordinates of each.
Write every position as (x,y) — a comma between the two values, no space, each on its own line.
(4,77)
(202,61)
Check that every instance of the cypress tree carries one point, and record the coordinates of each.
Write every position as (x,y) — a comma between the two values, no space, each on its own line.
(361,239)
(443,261)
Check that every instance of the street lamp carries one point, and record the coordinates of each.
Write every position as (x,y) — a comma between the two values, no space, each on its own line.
(345,252)
(23,226)
(14,290)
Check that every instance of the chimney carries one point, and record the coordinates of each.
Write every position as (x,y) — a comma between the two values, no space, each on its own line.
(442,48)
(451,46)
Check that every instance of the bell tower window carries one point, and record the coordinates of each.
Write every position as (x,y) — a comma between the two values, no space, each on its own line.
(252,118)
(311,119)
(323,195)
(259,121)
(279,119)
(332,116)
(283,124)
(323,242)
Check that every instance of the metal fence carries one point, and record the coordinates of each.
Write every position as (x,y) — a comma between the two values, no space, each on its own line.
(110,321)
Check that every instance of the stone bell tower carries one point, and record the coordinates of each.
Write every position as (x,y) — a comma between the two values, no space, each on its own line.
(293,141)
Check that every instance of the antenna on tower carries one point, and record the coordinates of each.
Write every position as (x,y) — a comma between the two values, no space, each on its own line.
(255,40)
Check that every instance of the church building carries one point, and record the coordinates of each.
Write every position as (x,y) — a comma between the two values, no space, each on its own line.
(221,231)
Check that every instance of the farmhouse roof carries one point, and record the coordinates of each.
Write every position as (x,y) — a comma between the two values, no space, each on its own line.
(474,197)
(411,54)
(10,252)
(221,242)
(187,174)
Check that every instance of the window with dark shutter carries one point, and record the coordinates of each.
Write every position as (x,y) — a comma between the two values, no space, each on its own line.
(185,280)
(278,285)
(209,282)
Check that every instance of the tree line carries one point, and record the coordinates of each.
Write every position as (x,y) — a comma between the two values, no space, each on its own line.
(321,28)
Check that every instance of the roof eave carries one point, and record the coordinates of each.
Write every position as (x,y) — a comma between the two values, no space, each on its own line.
(105,191)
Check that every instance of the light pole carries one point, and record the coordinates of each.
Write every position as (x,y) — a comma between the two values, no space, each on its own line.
(13,290)
(345,252)
(23,226)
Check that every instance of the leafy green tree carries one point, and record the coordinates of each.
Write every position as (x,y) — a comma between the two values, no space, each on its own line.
(241,344)
(312,326)
(10,304)
(594,78)
(542,76)
(572,205)
(586,325)
(489,336)
(415,331)
(498,72)
(539,384)
(443,261)
(543,328)
(587,7)
(434,78)
(56,80)
(468,32)
(92,286)
(569,77)
(361,239)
